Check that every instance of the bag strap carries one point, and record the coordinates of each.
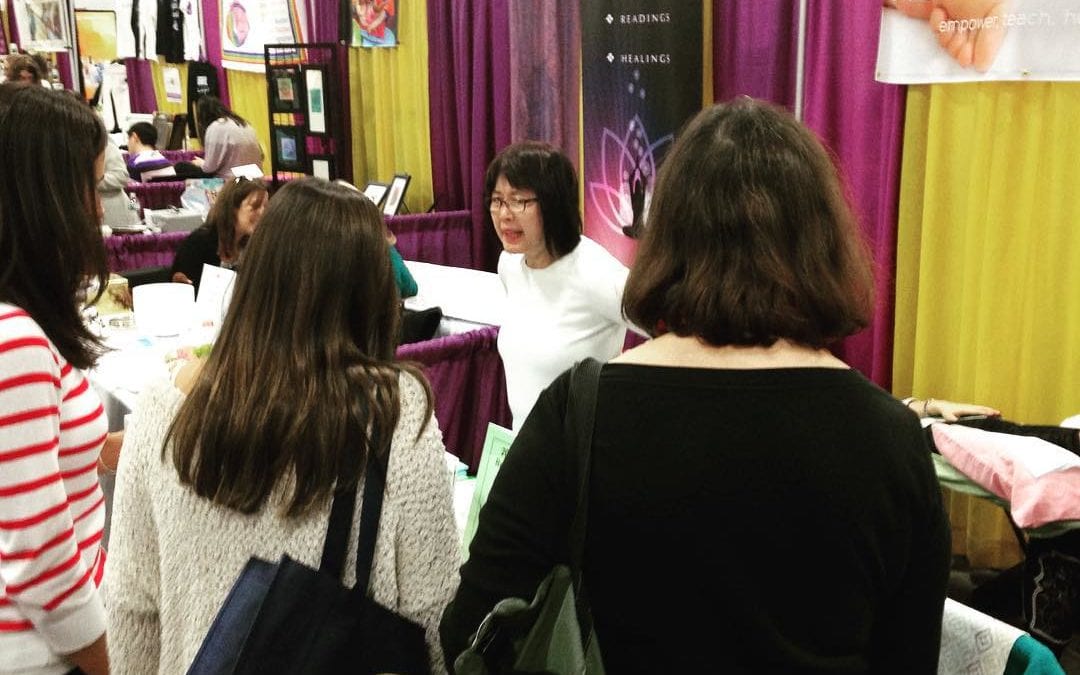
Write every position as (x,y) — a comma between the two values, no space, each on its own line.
(580,418)
(581,414)
(337,529)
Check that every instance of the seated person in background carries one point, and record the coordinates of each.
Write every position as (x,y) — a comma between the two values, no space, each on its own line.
(116,204)
(228,140)
(735,460)
(220,241)
(144,161)
(217,475)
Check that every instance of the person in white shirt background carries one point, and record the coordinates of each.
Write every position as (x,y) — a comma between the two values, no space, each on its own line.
(563,290)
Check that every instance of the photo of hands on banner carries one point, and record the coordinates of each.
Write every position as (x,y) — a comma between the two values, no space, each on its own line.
(926,41)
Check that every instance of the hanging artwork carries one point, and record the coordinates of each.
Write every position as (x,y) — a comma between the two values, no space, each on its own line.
(96,35)
(248,25)
(374,23)
(42,25)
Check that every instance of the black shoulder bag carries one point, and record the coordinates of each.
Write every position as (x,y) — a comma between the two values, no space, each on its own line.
(553,633)
(290,618)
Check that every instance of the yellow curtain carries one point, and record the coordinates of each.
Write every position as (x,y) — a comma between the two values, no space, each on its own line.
(247,98)
(988,265)
(389,101)
(157,70)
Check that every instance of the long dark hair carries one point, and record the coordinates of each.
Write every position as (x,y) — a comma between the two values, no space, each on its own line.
(209,109)
(750,236)
(302,383)
(50,231)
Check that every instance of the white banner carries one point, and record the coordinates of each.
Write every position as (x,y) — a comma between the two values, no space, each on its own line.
(981,40)
(248,25)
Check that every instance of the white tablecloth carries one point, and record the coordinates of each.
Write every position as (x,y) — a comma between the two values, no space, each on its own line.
(469,299)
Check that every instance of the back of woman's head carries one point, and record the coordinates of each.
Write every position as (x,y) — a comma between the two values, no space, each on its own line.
(542,168)
(749,236)
(19,64)
(222,215)
(302,382)
(50,230)
(209,109)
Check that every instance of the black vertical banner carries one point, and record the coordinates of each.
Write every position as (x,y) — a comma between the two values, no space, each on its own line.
(641,72)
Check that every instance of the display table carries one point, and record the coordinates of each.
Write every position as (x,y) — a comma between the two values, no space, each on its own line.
(469,299)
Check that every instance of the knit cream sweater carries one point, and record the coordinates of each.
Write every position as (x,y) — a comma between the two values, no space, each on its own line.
(174,556)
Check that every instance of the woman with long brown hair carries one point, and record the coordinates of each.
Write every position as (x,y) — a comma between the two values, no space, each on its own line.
(300,389)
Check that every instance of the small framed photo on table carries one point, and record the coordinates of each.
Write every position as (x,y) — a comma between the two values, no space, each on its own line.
(315,84)
(287,93)
(396,194)
(289,148)
(376,192)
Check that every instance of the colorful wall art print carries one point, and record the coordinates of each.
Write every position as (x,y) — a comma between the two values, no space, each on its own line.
(374,23)
(248,25)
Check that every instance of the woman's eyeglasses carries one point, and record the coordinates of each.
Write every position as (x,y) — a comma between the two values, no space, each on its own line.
(514,205)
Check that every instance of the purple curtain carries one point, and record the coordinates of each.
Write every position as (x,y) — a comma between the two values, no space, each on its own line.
(469,384)
(140,80)
(546,57)
(755,50)
(212,33)
(127,252)
(862,121)
(441,238)
(469,85)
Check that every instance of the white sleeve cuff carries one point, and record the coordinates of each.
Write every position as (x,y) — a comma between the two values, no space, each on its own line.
(69,630)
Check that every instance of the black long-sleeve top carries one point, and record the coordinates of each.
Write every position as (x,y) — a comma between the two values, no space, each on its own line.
(781,520)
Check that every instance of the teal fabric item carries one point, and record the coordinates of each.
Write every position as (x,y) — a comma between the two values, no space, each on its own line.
(405,283)
(1031,657)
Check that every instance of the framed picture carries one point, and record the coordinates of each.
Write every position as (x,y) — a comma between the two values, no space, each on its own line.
(289,148)
(286,90)
(376,192)
(316,100)
(396,194)
(323,167)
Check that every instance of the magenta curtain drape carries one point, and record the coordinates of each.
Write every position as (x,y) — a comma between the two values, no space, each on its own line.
(755,50)
(140,81)
(469,90)
(862,121)
(545,58)
(212,35)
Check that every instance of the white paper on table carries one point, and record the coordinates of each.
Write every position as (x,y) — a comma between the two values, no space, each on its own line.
(215,291)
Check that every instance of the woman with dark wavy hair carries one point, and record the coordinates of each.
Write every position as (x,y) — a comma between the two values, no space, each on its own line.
(241,455)
(52,425)
(755,505)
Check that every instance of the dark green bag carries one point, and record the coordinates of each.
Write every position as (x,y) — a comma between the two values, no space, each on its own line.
(554,632)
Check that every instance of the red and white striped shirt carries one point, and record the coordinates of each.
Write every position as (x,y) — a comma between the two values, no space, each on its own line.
(52,509)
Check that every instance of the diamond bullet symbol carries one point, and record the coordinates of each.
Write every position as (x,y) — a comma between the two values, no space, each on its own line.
(610,57)
(609,19)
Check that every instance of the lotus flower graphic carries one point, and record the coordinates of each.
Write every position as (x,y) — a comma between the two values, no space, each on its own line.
(628,169)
